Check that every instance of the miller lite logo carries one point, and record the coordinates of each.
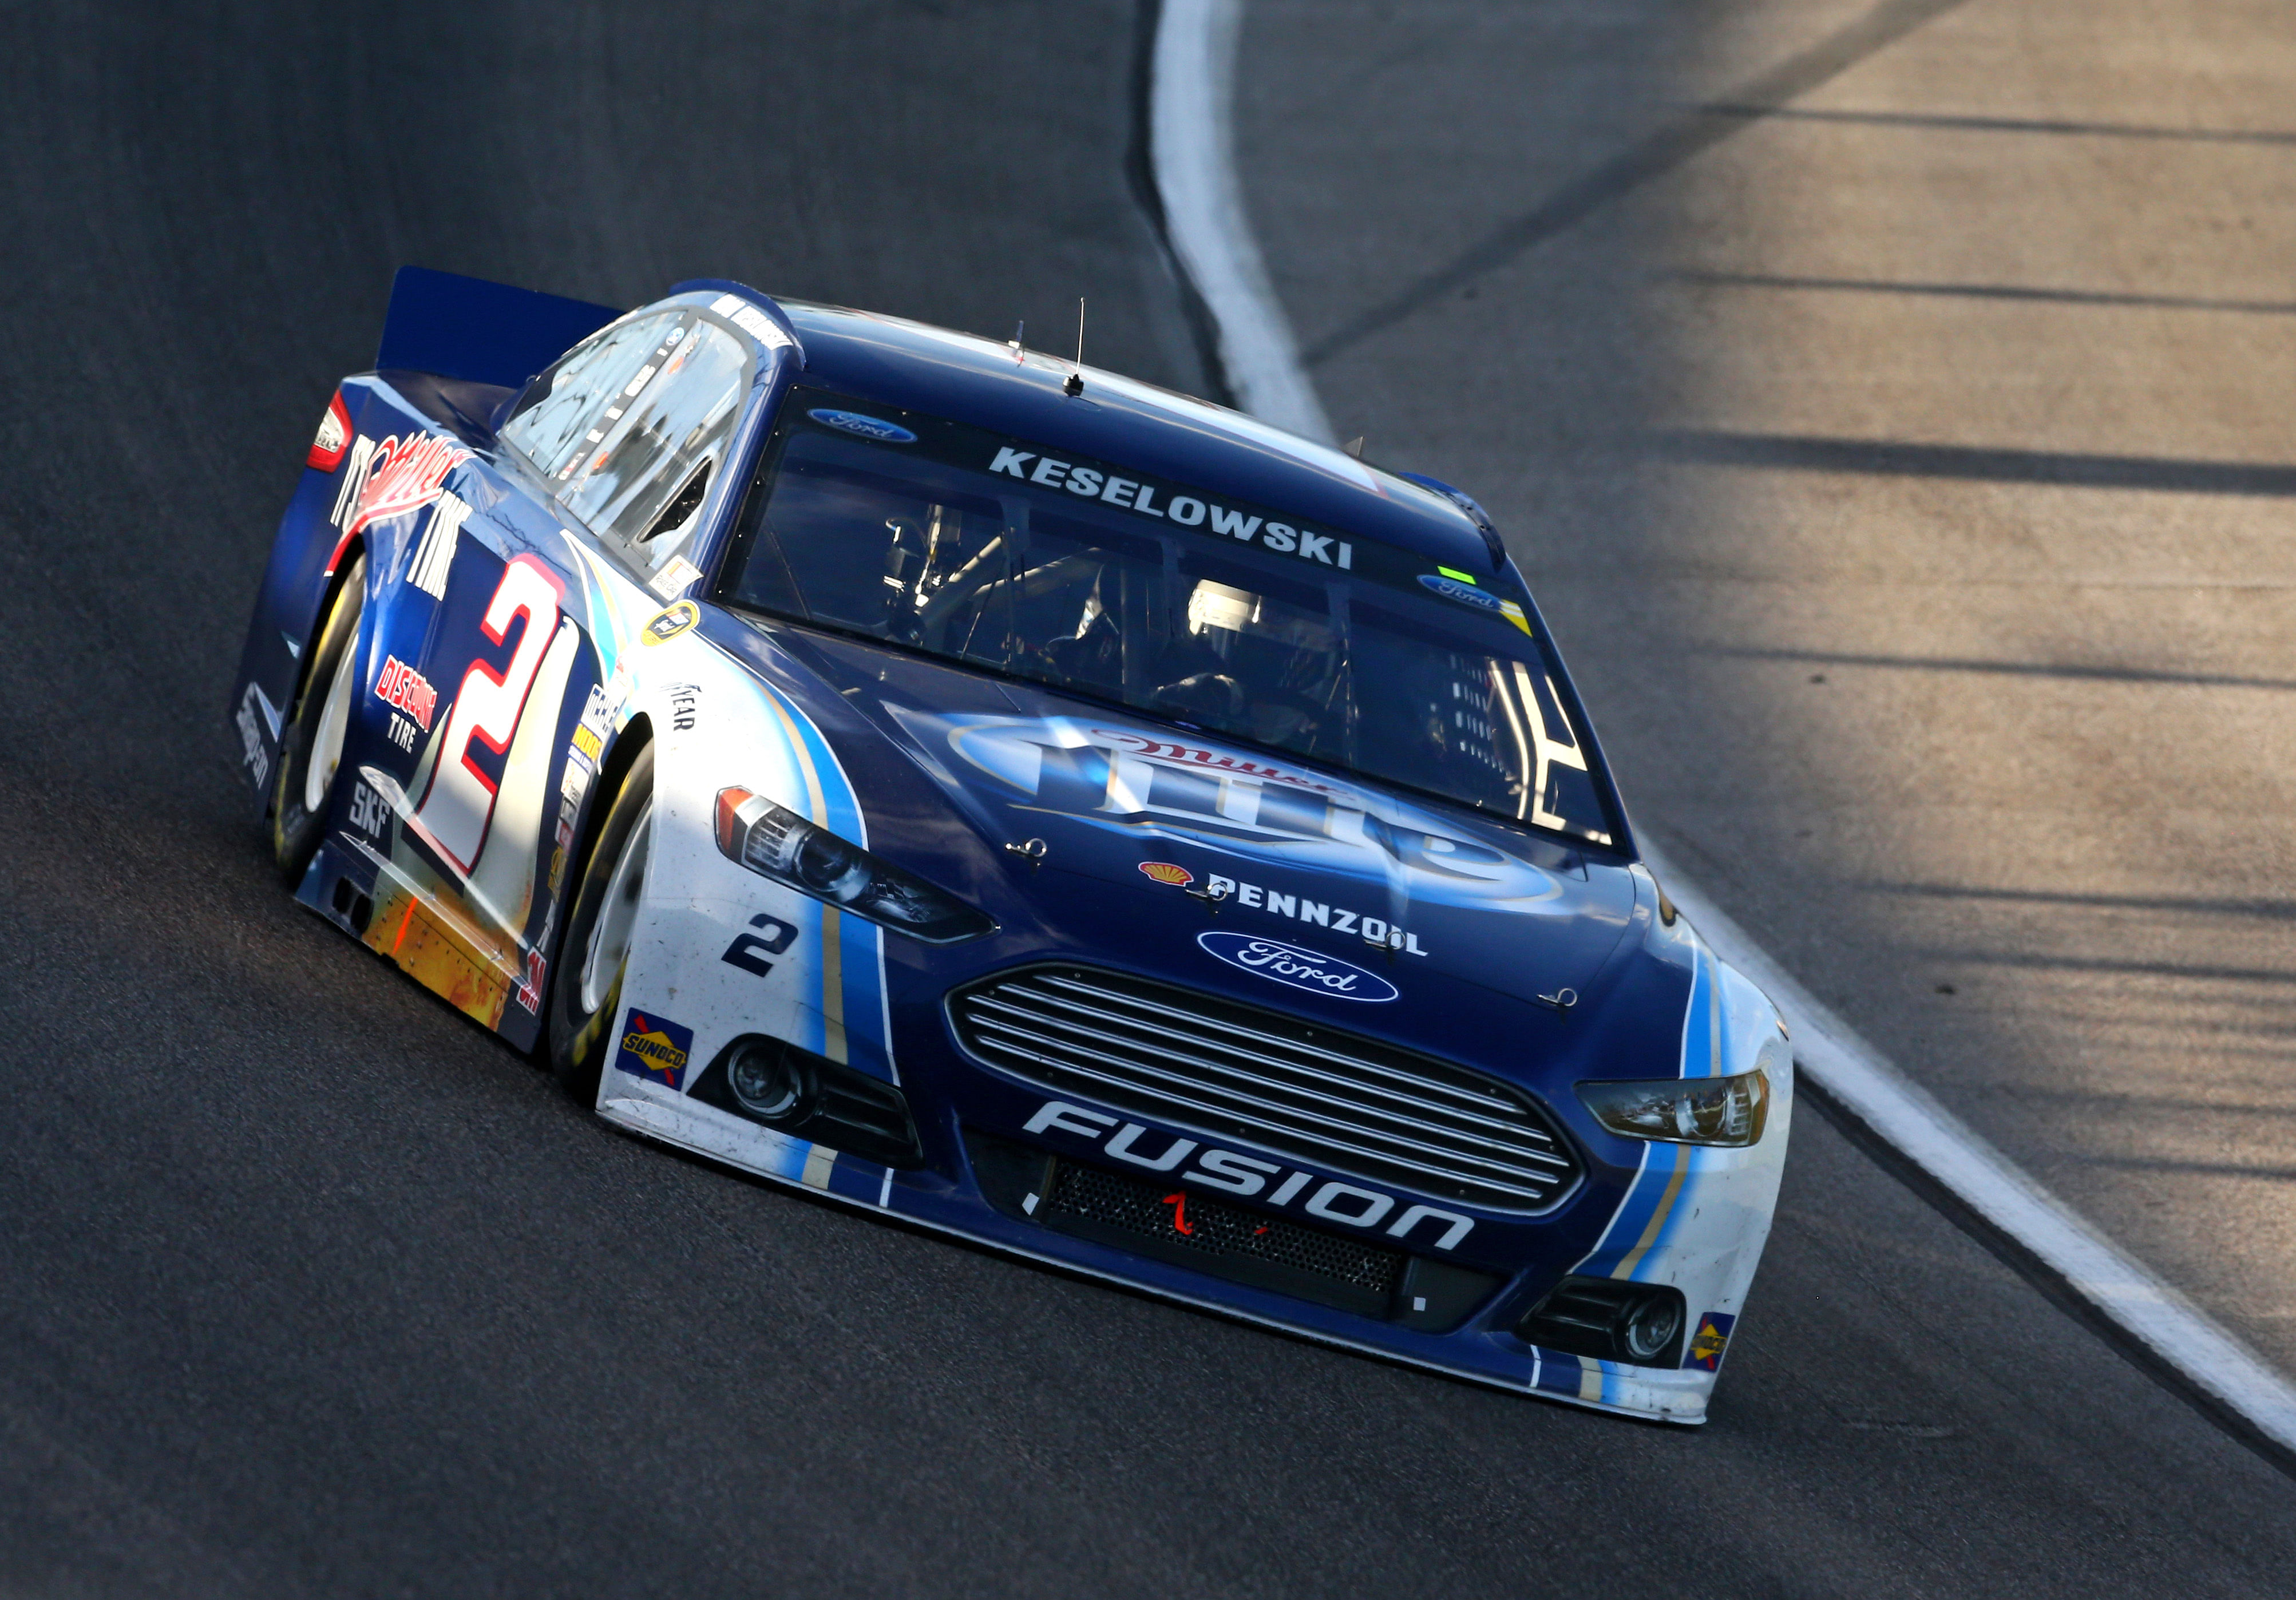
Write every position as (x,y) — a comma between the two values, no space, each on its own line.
(393,477)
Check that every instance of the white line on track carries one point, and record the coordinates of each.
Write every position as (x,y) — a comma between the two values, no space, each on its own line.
(1195,173)
(1190,146)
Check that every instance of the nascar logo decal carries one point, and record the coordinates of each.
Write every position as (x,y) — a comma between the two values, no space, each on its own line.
(1281,962)
(654,1048)
(668,625)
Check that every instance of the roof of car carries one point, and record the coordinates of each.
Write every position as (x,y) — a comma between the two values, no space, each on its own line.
(964,378)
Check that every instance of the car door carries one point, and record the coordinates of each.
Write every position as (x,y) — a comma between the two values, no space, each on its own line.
(604,479)
(502,671)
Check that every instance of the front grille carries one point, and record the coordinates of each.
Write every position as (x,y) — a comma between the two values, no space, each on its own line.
(1196,1223)
(1321,1096)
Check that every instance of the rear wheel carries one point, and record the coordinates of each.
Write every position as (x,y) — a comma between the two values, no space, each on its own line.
(311,745)
(596,954)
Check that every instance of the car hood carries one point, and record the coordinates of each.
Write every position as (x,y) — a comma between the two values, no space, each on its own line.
(1286,870)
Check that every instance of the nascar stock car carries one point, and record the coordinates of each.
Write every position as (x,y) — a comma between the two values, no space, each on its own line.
(1006,795)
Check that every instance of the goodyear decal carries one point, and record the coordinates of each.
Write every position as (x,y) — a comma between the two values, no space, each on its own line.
(654,1048)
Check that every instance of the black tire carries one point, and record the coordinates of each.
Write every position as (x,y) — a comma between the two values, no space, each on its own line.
(583,1005)
(297,823)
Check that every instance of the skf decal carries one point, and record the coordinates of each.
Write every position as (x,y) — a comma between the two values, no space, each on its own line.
(370,812)
(1712,1338)
(399,685)
(1168,872)
(652,1048)
(668,625)
(1331,1201)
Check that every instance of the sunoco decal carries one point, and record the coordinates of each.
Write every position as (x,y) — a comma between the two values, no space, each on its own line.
(654,1048)
(1712,1338)
(1300,968)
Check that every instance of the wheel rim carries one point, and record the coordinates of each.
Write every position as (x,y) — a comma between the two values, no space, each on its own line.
(334,722)
(618,915)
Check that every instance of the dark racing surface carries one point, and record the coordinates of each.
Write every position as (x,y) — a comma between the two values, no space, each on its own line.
(313,1288)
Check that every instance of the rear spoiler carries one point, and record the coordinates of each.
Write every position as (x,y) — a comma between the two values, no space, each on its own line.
(481,333)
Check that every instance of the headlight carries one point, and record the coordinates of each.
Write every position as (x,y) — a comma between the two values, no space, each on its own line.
(1686,1111)
(778,843)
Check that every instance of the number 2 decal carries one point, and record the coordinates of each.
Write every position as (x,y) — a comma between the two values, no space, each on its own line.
(460,801)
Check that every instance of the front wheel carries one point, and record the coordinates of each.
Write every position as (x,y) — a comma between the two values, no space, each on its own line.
(311,745)
(596,954)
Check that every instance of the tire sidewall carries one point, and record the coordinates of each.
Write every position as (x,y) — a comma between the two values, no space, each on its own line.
(580,1040)
(296,831)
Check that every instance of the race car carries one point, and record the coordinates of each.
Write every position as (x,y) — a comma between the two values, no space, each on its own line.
(996,792)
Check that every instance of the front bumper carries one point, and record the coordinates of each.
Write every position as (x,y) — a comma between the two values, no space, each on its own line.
(1454,1318)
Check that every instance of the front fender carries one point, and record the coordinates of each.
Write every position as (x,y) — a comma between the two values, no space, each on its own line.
(719,951)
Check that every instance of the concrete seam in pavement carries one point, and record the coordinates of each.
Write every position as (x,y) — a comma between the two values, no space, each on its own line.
(1917,1139)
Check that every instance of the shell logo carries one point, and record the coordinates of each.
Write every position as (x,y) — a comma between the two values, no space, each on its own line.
(1166,872)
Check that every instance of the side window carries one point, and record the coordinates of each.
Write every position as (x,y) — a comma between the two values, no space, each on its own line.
(650,458)
(563,404)
(633,430)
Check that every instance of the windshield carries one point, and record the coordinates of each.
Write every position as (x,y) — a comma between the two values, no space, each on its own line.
(1090,577)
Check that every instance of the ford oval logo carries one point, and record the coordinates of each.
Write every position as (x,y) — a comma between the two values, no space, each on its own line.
(868,427)
(1301,969)
(1452,589)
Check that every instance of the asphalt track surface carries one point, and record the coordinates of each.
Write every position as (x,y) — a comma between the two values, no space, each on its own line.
(313,1288)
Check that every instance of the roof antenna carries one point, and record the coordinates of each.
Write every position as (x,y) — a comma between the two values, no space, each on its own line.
(1014,344)
(1075,384)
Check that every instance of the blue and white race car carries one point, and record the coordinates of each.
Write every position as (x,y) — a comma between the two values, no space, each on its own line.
(1012,797)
